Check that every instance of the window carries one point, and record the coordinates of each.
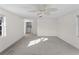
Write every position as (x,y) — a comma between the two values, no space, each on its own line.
(2,26)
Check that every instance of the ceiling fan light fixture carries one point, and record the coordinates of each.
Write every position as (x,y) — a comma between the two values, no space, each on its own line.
(44,9)
(40,15)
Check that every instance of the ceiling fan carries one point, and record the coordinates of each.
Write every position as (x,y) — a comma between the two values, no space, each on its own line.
(43,9)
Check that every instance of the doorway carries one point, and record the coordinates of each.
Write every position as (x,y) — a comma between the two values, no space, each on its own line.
(28,27)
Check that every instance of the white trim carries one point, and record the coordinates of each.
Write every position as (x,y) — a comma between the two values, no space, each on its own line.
(4,26)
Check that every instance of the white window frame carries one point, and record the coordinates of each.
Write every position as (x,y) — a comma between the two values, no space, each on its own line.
(3,26)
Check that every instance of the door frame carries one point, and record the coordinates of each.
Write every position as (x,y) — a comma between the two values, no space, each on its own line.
(25,20)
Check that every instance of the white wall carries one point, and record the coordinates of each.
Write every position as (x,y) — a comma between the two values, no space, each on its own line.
(66,28)
(46,27)
(34,26)
(15,29)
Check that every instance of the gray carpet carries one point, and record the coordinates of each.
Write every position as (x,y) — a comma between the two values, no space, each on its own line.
(53,46)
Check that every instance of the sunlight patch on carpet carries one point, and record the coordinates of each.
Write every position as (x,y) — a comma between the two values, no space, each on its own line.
(34,42)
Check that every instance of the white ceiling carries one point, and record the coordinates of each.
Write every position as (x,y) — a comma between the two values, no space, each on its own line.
(24,9)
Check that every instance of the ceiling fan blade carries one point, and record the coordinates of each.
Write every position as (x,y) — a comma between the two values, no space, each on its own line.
(52,9)
(33,11)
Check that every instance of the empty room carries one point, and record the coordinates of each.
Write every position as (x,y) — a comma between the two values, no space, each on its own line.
(39,29)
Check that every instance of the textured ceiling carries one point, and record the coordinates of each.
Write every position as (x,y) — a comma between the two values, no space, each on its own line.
(24,9)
